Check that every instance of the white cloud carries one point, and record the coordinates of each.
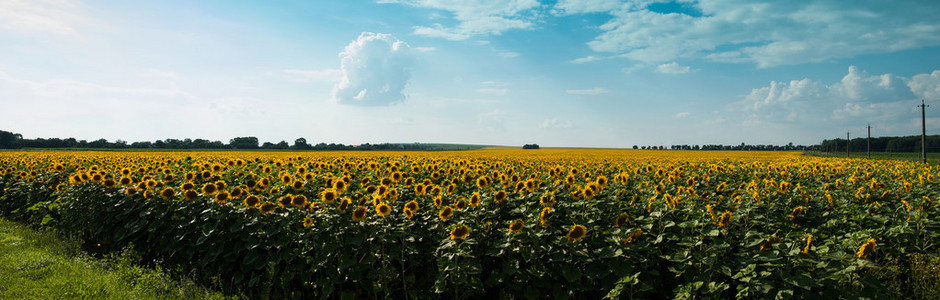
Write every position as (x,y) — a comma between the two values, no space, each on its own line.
(500,92)
(926,85)
(57,17)
(507,54)
(375,69)
(329,75)
(682,115)
(767,33)
(585,59)
(673,68)
(568,7)
(859,98)
(476,17)
(425,49)
(590,92)
(555,124)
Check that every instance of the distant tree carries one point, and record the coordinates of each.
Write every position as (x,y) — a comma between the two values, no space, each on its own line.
(530,146)
(635,147)
(282,145)
(301,144)
(9,140)
(267,145)
(244,143)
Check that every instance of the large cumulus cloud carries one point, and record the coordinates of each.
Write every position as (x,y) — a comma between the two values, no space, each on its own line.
(375,69)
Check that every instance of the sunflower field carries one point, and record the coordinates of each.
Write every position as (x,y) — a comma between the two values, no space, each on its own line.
(559,223)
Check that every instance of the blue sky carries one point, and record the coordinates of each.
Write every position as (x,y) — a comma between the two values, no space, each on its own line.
(558,73)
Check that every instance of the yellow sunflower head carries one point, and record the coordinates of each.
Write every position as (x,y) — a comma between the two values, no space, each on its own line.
(459,232)
(252,201)
(167,193)
(222,197)
(267,207)
(383,209)
(360,213)
(621,220)
(516,226)
(446,213)
(576,233)
(299,201)
(412,205)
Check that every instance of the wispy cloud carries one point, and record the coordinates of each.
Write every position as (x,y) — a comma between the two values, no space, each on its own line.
(766,33)
(53,17)
(673,68)
(555,124)
(476,17)
(591,92)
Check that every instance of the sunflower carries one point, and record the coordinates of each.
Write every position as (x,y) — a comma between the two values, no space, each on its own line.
(339,186)
(285,200)
(235,193)
(633,236)
(475,199)
(286,179)
(190,194)
(299,201)
(383,209)
(209,188)
(809,239)
(543,216)
(459,232)
(412,205)
(252,201)
(409,213)
(360,213)
(344,204)
(222,197)
(724,219)
(516,226)
(124,181)
(461,204)
(220,185)
(588,193)
(130,191)
(866,249)
(313,206)
(796,212)
(500,196)
(108,183)
(621,220)
(438,202)
(576,233)
(328,196)
(308,221)
(297,185)
(446,213)
(167,193)
(267,207)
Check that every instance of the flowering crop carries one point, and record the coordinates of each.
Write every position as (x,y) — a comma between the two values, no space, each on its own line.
(574,223)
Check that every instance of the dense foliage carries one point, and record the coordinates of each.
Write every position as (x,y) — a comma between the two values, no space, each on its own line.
(548,223)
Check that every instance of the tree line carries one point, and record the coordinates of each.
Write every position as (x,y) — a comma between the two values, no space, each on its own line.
(741,147)
(10,140)
(883,144)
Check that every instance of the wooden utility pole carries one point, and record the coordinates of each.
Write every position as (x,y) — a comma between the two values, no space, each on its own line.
(923,131)
(847,144)
(869,141)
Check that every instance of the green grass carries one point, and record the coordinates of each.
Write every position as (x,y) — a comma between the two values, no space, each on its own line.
(42,265)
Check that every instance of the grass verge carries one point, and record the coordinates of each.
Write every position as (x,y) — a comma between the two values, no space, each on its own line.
(43,265)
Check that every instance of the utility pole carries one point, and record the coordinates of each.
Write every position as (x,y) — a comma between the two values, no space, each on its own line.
(923,131)
(869,141)
(847,143)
